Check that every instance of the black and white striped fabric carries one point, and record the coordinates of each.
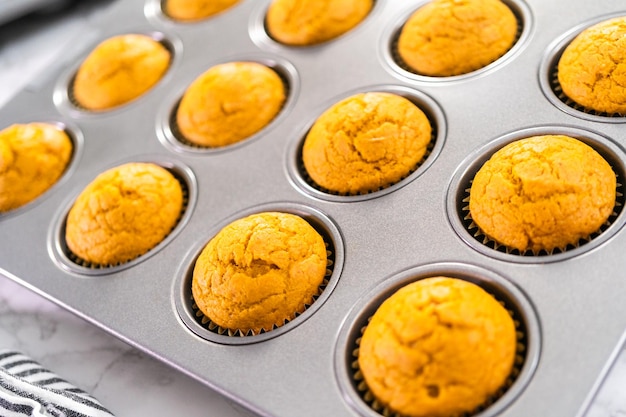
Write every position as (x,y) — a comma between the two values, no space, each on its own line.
(27,389)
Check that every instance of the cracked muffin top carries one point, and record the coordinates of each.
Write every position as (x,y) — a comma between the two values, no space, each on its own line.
(543,193)
(453,37)
(309,22)
(259,272)
(366,142)
(230,102)
(438,347)
(191,10)
(123,213)
(119,70)
(33,157)
(592,69)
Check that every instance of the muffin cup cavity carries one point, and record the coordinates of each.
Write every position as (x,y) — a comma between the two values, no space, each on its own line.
(77,139)
(203,327)
(261,36)
(351,382)
(458,198)
(171,137)
(154,10)
(65,259)
(66,102)
(391,57)
(301,179)
(548,77)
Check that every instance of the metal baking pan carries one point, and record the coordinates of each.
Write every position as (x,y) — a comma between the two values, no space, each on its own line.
(569,305)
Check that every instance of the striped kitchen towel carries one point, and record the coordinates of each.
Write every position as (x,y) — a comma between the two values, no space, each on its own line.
(27,389)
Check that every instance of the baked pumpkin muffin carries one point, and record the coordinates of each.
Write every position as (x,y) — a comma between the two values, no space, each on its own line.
(542,193)
(309,22)
(438,347)
(123,213)
(33,157)
(191,10)
(119,70)
(453,37)
(259,271)
(366,142)
(592,68)
(229,103)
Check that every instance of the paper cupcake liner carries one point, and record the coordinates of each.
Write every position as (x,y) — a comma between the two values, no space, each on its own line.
(370,399)
(477,233)
(92,265)
(395,54)
(429,149)
(178,135)
(555,85)
(208,324)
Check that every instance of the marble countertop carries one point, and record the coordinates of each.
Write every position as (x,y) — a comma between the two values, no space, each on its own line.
(125,380)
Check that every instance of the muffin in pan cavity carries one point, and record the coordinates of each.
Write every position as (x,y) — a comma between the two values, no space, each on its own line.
(365,143)
(229,103)
(591,70)
(33,156)
(259,272)
(311,22)
(119,70)
(195,10)
(437,340)
(543,193)
(122,214)
(453,37)
(540,194)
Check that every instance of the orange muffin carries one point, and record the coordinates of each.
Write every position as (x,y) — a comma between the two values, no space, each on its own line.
(119,70)
(190,10)
(438,347)
(259,271)
(543,193)
(309,22)
(592,69)
(32,158)
(454,37)
(229,103)
(123,213)
(366,142)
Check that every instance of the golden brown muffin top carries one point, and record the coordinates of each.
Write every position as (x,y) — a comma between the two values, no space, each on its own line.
(592,69)
(454,37)
(119,70)
(33,157)
(192,10)
(123,213)
(229,103)
(309,22)
(438,347)
(366,142)
(543,193)
(259,271)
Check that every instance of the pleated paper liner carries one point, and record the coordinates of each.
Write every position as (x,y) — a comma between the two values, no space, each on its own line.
(429,149)
(480,236)
(395,54)
(91,265)
(370,399)
(208,324)
(178,135)
(558,92)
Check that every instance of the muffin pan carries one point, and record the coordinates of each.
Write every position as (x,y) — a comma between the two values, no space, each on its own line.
(569,305)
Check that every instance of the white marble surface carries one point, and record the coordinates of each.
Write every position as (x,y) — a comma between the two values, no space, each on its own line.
(127,381)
